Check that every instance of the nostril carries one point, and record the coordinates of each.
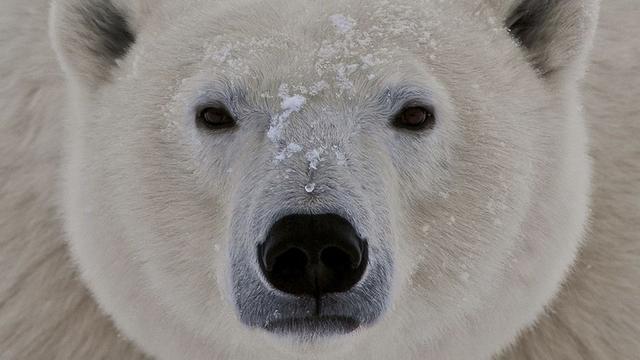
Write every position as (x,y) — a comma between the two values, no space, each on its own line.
(290,261)
(341,268)
(286,269)
(337,259)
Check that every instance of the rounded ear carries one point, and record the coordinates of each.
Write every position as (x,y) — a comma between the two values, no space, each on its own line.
(556,34)
(89,36)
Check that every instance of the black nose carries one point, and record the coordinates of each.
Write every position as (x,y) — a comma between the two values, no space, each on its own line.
(313,255)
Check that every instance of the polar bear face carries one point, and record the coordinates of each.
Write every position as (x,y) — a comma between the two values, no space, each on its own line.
(283,177)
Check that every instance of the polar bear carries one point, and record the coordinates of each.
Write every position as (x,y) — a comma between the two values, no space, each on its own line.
(319,179)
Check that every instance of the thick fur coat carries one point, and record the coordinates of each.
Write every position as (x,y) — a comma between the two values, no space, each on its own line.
(124,229)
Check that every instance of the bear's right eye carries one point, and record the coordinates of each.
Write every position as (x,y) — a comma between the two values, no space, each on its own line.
(215,118)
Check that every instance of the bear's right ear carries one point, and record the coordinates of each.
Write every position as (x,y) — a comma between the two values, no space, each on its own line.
(89,36)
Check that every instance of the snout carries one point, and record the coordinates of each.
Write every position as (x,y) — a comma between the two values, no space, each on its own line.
(311,275)
(313,255)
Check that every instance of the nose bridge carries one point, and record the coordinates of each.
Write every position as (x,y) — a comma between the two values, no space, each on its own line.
(322,168)
(315,144)
(313,168)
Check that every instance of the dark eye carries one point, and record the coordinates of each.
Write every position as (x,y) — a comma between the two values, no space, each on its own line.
(215,118)
(415,118)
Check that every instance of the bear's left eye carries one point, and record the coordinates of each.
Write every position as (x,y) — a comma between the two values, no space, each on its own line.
(415,118)
(215,118)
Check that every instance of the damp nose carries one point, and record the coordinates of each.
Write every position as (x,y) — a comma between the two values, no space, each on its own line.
(313,255)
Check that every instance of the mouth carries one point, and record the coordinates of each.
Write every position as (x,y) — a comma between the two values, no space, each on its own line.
(314,326)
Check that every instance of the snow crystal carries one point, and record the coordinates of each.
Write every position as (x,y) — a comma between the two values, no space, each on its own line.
(221,55)
(294,148)
(314,157)
(342,75)
(289,151)
(369,60)
(342,23)
(341,158)
(310,187)
(318,87)
(281,155)
(275,131)
(292,103)
(289,105)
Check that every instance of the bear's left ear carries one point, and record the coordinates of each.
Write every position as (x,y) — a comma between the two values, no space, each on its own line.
(89,36)
(556,34)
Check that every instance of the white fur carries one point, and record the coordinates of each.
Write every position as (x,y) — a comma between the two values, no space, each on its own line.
(485,215)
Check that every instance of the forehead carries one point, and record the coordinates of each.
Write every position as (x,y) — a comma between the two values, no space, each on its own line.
(330,44)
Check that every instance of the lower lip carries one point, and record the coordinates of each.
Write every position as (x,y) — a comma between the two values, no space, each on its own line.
(314,326)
